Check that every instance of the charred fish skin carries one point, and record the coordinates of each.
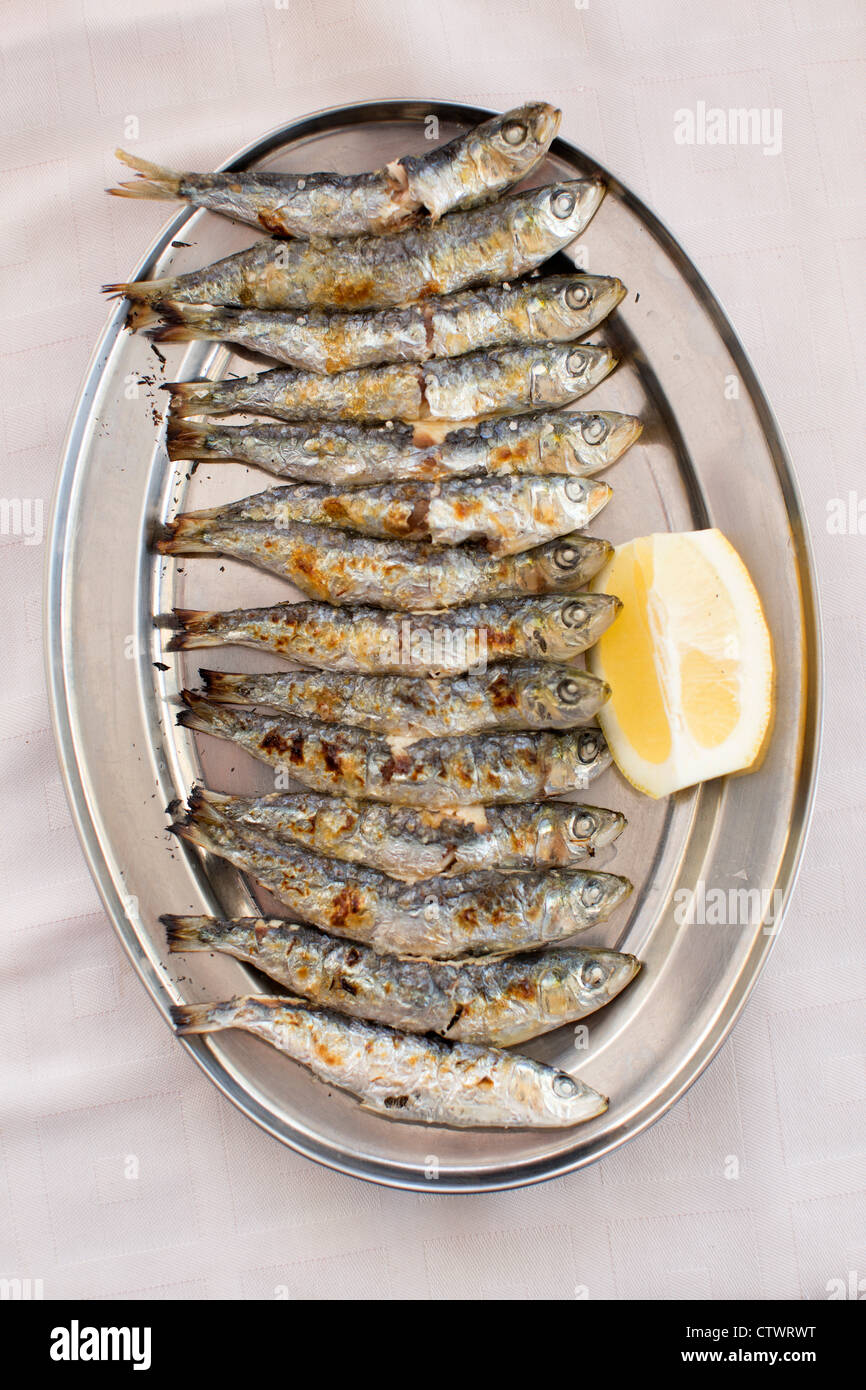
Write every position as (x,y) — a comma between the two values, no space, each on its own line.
(480,913)
(462,771)
(485,245)
(499,1003)
(481,383)
(508,514)
(372,640)
(422,1080)
(471,169)
(408,576)
(559,309)
(548,443)
(514,695)
(412,844)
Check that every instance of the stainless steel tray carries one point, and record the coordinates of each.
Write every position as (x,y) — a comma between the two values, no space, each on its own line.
(705,459)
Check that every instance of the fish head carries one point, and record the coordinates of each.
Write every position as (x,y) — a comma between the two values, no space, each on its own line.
(568,562)
(560,630)
(555,214)
(567,306)
(593,896)
(555,697)
(577,982)
(509,146)
(579,824)
(559,1099)
(572,369)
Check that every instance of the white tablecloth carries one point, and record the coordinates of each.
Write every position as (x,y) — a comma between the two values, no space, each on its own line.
(122,1171)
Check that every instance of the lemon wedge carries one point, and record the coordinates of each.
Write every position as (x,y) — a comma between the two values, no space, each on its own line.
(689,661)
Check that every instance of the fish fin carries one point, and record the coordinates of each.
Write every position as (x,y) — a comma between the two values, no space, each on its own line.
(147,290)
(190,627)
(202,795)
(153,181)
(181,536)
(190,397)
(187,440)
(199,716)
(222,687)
(185,933)
(198,1018)
(186,323)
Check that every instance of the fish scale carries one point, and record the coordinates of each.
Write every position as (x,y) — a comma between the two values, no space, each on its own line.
(514,695)
(546,443)
(422,1079)
(497,1002)
(468,771)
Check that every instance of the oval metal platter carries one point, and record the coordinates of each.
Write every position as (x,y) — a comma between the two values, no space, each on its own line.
(710,455)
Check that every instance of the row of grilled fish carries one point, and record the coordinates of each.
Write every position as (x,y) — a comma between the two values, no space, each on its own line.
(432,885)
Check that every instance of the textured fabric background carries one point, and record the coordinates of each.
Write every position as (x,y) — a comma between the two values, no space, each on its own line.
(94,1090)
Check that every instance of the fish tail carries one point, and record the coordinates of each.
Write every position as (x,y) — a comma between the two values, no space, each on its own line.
(201,716)
(152,181)
(209,1018)
(190,933)
(192,397)
(187,440)
(183,536)
(222,687)
(193,627)
(147,290)
(187,323)
(239,1012)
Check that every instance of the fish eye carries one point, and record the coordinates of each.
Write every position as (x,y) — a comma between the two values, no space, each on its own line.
(568,691)
(563,1086)
(562,203)
(514,133)
(588,745)
(573,615)
(583,824)
(566,557)
(577,361)
(577,296)
(594,429)
(593,892)
(592,974)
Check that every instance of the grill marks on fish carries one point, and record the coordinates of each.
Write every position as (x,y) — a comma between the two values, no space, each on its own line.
(369,639)
(425,1079)
(465,770)
(410,576)
(477,913)
(474,168)
(508,514)
(461,388)
(486,245)
(412,843)
(558,309)
(547,443)
(499,1002)
(518,695)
